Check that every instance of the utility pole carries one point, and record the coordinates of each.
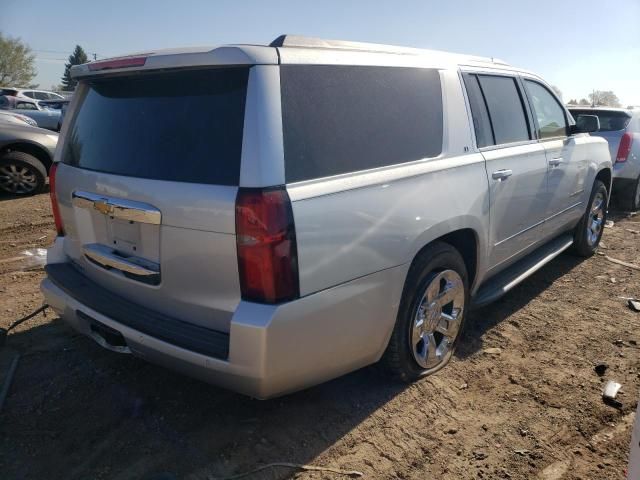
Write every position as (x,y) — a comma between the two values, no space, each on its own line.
(95,56)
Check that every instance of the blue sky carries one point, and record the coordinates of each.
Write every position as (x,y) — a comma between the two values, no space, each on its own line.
(576,45)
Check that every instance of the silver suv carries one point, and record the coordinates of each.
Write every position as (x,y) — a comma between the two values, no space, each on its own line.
(270,217)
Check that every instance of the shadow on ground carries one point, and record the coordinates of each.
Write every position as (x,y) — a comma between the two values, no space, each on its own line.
(78,411)
(481,320)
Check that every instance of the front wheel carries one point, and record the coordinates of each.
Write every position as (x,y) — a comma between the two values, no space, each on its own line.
(431,314)
(588,232)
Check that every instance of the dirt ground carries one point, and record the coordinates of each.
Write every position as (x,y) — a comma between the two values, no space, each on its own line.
(531,409)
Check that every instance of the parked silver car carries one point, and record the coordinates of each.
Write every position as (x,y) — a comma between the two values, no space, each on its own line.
(621,129)
(269,217)
(26,155)
(16,118)
(45,117)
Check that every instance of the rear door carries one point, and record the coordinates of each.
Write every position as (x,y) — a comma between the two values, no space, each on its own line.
(516,165)
(147,188)
(567,162)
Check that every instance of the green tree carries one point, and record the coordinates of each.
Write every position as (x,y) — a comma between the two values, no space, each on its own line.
(605,98)
(78,57)
(584,101)
(16,62)
(573,101)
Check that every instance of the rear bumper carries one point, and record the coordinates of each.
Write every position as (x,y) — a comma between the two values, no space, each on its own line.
(272,349)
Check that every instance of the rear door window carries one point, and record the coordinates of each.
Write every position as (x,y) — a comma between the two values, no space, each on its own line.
(180,126)
(339,119)
(506,109)
(479,114)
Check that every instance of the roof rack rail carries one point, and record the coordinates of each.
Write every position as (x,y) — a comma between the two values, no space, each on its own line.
(313,42)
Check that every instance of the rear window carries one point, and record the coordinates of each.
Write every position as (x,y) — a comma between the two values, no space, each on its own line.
(610,121)
(182,126)
(508,117)
(340,119)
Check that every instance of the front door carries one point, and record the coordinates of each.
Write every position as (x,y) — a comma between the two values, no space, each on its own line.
(566,163)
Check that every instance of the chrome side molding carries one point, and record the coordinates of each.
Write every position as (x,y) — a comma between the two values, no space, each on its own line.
(117,208)
(109,258)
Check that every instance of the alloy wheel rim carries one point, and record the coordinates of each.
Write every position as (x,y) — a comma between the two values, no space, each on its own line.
(436,322)
(17,178)
(596,219)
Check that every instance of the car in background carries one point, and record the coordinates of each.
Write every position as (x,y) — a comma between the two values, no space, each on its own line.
(45,117)
(58,104)
(28,93)
(26,155)
(16,118)
(621,128)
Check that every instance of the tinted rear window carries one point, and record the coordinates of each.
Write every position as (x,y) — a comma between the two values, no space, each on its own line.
(506,109)
(609,121)
(340,119)
(480,116)
(183,126)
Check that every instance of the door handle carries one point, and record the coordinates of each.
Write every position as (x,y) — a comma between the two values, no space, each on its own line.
(501,175)
(554,162)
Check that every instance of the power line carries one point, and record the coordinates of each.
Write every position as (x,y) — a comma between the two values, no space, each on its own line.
(95,55)
(51,58)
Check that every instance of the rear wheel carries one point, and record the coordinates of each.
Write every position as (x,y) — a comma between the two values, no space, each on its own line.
(588,232)
(21,174)
(431,314)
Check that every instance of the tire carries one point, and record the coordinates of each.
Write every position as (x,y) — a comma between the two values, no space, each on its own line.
(438,269)
(21,174)
(588,232)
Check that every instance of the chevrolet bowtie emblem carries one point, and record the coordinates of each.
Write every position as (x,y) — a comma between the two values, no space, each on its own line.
(103,207)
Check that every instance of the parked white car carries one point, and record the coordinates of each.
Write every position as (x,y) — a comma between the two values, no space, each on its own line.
(29,93)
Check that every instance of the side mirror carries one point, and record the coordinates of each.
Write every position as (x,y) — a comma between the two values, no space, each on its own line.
(586,124)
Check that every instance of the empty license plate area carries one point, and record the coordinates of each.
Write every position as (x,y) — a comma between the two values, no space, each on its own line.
(122,236)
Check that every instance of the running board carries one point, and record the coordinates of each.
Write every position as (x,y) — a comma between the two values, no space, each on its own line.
(499,285)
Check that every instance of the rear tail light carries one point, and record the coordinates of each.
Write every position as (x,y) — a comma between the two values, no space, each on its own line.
(266,242)
(54,199)
(624,149)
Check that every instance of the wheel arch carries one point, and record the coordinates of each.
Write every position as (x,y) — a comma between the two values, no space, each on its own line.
(466,240)
(606,176)
(33,149)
